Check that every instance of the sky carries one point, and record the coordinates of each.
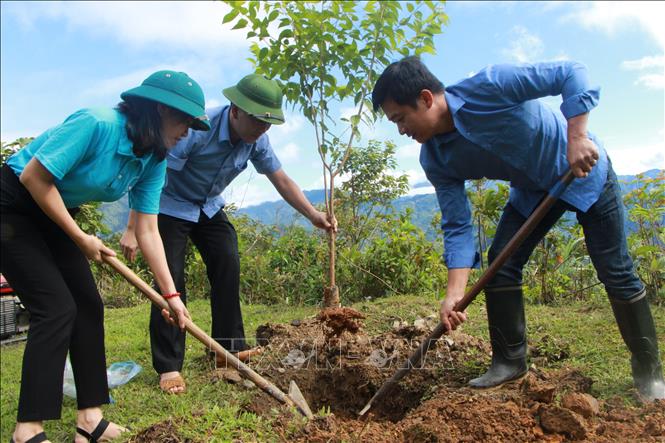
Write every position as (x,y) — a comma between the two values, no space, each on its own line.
(57,57)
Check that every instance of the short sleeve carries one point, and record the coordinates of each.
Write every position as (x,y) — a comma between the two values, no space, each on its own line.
(144,195)
(67,144)
(264,158)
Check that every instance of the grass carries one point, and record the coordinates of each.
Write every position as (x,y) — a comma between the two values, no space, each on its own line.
(213,411)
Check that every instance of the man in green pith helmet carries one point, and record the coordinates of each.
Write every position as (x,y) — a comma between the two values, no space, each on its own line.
(200,167)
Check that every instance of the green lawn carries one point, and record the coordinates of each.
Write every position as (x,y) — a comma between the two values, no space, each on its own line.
(587,333)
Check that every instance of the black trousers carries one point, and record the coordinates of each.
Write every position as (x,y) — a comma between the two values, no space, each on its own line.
(216,240)
(53,279)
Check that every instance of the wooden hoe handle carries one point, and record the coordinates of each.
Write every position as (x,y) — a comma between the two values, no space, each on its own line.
(204,338)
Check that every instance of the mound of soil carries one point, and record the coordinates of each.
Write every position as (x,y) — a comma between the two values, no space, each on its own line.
(165,432)
(338,368)
(340,372)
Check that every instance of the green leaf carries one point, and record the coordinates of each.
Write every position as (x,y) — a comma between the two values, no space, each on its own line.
(273,15)
(230,16)
(286,33)
(240,24)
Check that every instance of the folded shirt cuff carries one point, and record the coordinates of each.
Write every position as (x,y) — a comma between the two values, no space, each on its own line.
(462,260)
(580,103)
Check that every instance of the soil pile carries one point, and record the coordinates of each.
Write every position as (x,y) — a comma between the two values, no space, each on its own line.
(338,368)
(340,373)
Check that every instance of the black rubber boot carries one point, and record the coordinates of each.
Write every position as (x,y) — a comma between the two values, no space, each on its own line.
(505,316)
(639,333)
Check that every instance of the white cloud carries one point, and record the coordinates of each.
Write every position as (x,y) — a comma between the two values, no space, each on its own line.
(416,176)
(288,152)
(651,81)
(635,159)
(561,56)
(610,17)
(410,151)
(421,190)
(115,85)
(292,125)
(250,189)
(203,70)
(195,26)
(524,47)
(348,111)
(650,61)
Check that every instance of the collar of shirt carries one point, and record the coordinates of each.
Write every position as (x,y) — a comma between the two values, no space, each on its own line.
(454,102)
(224,130)
(126,149)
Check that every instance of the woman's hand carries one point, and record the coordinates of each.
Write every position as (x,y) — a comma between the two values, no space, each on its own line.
(129,244)
(93,247)
(179,310)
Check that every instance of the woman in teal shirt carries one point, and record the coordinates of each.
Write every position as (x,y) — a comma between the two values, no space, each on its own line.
(94,155)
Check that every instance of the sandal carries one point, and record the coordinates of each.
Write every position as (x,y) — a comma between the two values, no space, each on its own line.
(175,382)
(37,438)
(94,436)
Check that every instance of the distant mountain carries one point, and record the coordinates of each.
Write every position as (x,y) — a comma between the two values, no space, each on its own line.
(424,206)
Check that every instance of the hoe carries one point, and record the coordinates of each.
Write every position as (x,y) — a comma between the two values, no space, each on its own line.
(294,397)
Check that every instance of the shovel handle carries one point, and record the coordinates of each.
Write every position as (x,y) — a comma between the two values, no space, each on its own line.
(204,338)
(529,225)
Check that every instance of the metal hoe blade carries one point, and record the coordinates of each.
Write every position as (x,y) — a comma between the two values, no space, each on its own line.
(299,400)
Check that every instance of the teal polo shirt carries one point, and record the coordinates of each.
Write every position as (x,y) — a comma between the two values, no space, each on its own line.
(91,159)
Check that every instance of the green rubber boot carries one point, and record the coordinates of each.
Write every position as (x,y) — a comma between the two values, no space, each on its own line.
(505,316)
(639,333)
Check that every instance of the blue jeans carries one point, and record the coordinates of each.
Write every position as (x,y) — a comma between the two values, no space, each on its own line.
(604,234)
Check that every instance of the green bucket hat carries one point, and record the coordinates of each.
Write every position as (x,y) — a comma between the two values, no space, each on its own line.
(259,97)
(177,90)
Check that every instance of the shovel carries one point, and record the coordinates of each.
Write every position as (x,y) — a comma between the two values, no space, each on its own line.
(294,398)
(514,243)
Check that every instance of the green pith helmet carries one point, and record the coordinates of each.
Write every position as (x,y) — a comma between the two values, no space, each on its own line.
(259,97)
(177,90)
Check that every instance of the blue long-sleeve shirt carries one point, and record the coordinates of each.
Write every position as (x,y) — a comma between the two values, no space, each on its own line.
(502,132)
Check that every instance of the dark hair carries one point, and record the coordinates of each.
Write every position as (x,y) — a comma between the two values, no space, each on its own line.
(144,126)
(402,82)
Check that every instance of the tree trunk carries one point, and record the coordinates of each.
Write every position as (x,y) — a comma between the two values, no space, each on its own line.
(331,293)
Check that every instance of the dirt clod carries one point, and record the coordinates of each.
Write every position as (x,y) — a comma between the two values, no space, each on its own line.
(338,320)
(564,421)
(584,404)
(536,390)
(165,432)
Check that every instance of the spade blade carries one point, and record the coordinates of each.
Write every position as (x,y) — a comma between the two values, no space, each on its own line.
(299,400)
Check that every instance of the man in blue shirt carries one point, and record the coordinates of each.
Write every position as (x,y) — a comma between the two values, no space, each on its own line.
(492,125)
(200,167)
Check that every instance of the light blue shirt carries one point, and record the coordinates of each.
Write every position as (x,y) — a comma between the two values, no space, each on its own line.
(504,133)
(203,164)
(91,159)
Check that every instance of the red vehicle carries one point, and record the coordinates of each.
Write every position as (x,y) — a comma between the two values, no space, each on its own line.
(13,316)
